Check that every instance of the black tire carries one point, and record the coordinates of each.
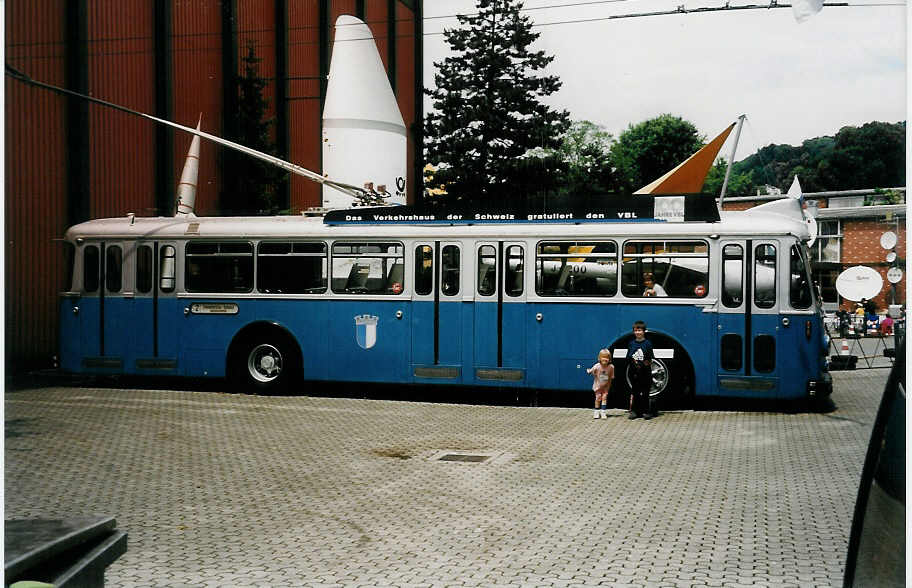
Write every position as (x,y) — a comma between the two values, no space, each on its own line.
(266,363)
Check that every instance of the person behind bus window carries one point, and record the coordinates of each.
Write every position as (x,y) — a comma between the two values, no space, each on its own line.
(652,289)
(602,376)
(640,356)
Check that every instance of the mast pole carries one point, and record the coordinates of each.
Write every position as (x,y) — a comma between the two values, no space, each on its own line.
(731,159)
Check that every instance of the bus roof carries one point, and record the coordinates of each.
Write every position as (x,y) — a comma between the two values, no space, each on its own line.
(783,219)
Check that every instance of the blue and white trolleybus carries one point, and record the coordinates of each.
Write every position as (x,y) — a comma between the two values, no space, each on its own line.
(500,299)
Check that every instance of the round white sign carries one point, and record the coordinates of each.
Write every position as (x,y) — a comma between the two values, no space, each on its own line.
(891,257)
(894,274)
(888,240)
(859,282)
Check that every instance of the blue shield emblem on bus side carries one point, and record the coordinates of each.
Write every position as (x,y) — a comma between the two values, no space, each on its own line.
(366,330)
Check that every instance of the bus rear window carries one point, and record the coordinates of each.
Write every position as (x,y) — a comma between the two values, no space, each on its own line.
(219,267)
(291,268)
(368,268)
(678,269)
(576,268)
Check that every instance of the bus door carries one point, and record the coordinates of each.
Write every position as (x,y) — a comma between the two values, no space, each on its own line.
(437,312)
(500,338)
(155,320)
(748,319)
(105,306)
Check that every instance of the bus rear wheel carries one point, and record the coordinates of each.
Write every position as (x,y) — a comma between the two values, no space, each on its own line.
(263,364)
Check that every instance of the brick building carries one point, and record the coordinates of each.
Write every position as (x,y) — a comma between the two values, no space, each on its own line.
(68,160)
(850,226)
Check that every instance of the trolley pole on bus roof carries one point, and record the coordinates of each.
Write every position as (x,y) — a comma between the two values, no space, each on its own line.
(731,160)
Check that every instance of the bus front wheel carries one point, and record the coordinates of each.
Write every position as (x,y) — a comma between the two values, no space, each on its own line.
(263,364)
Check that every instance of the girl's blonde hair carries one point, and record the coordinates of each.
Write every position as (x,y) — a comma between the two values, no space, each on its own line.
(604,353)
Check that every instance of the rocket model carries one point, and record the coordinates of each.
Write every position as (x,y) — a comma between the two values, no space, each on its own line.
(186,189)
(364,136)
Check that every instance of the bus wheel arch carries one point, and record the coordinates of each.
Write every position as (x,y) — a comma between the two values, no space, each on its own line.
(673,377)
(263,358)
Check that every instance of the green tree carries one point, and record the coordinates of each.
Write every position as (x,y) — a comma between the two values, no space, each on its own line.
(739,183)
(252,186)
(586,150)
(870,156)
(487,109)
(645,151)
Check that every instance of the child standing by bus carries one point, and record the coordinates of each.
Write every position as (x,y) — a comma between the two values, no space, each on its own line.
(640,356)
(602,376)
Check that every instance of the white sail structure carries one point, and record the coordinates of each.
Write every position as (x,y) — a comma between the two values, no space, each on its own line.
(364,136)
(186,189)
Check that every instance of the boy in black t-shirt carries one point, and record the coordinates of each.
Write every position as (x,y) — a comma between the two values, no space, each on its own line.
(640,356)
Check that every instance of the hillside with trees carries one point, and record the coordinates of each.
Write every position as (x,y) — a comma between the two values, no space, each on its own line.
(870,156)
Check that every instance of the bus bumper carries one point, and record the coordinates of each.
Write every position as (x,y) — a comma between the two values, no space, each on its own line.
(821,387)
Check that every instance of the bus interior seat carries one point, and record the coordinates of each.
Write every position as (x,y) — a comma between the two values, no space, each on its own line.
(357,277)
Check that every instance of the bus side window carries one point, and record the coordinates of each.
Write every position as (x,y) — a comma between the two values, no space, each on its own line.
(732,276)
(144,269)
(487,274)
(113,267)
(765,276)
(514,271)
(90,267)
(799,283)
(166,268)
(291,268)
(424,270)
(450,267)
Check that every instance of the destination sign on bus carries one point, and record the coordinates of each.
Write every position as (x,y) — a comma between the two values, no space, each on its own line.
(672,208)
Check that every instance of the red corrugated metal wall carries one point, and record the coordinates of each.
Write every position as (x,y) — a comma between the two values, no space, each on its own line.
(122,71)
(35,180)
(196,46)
(304,99)
(121,68)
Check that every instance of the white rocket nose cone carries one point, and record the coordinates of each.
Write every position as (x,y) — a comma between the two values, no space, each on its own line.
(358,87)
(364,136)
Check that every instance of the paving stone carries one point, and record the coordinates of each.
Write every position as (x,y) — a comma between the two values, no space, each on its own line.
(234,490)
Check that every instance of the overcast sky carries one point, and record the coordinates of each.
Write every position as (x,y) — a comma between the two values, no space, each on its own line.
(843,66)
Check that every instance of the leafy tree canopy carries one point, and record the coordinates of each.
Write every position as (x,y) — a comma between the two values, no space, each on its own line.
(487,103)
(870,156)
(646,150)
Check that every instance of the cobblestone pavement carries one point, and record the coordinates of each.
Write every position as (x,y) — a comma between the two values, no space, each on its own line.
(220,489)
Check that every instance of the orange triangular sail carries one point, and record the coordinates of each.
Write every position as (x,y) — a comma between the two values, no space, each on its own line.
(689,175)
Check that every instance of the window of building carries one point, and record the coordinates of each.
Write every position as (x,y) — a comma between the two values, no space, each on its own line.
(829,241)
(678,269)
(368,268)
(576,268)
(291,268)
(219,267)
